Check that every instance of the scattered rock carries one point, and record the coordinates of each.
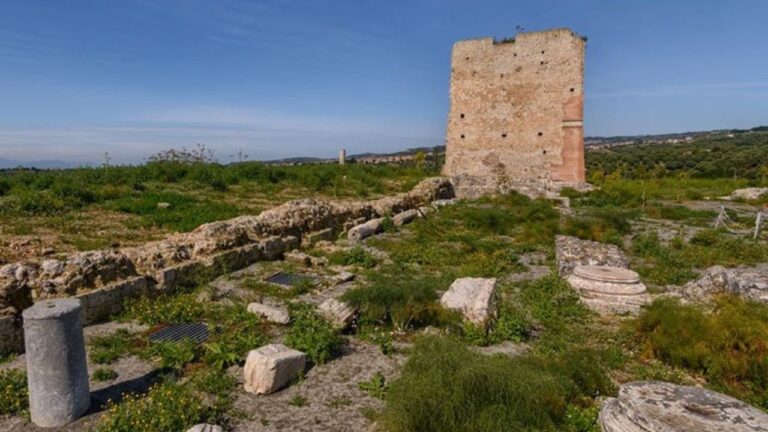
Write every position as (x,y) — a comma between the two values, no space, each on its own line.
(609,290)
(205,428)
(163,205)
(747,194)
(405,217)
(271,367)
(339,313)
(365,230)
(748,282)
(299,258)
(343,277)
(274,314)
(571,252)
(443,202)
(654,406)
(473,297)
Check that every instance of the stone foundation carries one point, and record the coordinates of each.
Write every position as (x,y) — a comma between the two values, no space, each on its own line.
(103,280)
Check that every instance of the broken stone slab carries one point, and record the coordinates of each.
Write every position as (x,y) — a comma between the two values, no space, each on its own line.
(271,367)
(342,277)
(443,202)
(340,314)
(748,282)
(57,372)
(571,252)
(365,230)
(609,290)
(655,406)
(205,428)
(405,217)
(474,298)
(273,314)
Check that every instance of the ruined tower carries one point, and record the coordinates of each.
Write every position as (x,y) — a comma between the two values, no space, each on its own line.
(517,108)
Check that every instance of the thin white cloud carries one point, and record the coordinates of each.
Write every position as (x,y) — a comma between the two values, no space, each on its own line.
(742,88)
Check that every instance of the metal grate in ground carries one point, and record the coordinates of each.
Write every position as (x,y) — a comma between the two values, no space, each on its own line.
(177,332)
(289,279)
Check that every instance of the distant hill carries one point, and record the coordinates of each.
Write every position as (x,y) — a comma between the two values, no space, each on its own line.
(41,164)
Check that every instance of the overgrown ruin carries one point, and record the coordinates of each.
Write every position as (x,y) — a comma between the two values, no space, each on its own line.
(516,109)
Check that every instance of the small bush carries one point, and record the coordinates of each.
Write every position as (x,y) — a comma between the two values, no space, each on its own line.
(165,408)
(355,256)
(174,355)
(166,309)
(312,334)
(13,392)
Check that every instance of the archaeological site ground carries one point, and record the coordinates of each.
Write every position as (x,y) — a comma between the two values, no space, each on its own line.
(514,282)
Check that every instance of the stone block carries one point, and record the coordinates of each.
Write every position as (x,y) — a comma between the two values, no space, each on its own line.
(473,297)
(340,314)
(405,217)
(657,406)
(314,237)
(273,314)
(271,367)
(57,373)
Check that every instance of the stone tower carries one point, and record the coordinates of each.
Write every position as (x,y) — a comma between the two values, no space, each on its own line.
(517,108)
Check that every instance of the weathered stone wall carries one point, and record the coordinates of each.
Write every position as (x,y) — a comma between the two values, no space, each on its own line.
(517,108)
(102,280)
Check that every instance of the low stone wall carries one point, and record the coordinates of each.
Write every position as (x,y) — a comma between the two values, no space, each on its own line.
(104,279)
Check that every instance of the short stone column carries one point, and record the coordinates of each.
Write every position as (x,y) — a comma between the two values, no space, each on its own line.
(57,373)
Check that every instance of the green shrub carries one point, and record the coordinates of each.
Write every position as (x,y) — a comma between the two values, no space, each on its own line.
(312,334)
(174,355)
(377,386)
(355,256)
(444,386)
(13,392)
(165,408)
(728,345)
(511,324)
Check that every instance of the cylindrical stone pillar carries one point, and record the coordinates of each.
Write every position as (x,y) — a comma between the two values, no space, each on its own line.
(342,157)
(57,373)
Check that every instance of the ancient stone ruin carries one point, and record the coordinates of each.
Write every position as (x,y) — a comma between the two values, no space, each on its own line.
(516,111)
(664,407)
(609,290)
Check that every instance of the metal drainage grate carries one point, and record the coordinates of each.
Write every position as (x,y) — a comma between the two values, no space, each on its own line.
(289,279)
(174,333)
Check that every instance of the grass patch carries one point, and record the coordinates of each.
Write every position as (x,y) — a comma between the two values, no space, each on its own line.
(104,374)
(728,345)
(445,386)
(107,349)
(166,407)
(675,262)
(355,256)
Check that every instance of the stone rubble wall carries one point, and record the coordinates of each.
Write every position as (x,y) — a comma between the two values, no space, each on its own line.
(103,279)
(748,282)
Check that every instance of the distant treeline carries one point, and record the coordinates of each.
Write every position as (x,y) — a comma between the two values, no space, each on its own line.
(737,155)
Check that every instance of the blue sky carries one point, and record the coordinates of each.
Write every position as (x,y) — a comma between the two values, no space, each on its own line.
(288,78)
